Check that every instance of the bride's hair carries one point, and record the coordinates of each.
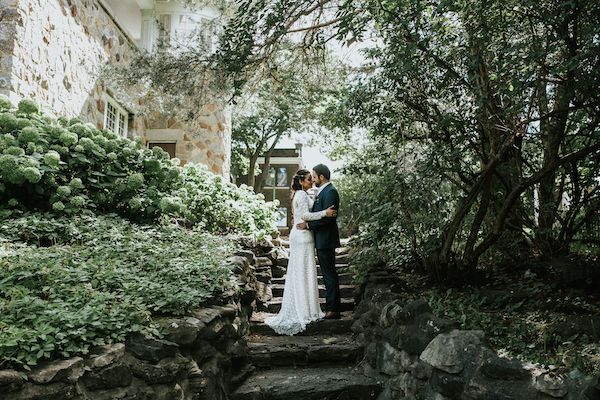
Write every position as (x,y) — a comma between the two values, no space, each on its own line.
(300,175)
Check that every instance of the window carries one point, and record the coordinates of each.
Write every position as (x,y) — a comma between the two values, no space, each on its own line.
(283,222)
(116,118)
(277,177)
(270,181)
(164,28)
(282,177)
(195,27)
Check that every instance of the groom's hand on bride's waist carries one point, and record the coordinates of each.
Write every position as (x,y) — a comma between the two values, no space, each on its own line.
(302,225)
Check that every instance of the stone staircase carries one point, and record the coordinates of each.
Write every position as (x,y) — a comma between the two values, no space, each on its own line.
(318,364)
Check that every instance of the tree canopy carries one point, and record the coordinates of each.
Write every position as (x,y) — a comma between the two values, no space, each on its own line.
(493,104)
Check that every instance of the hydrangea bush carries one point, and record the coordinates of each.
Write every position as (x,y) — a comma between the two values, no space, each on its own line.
(67,166)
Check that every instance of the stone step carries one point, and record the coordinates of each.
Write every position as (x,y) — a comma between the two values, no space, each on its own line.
(308,384)
(320,327)
(274,304)
(338,267)
(346,278)
(291,351)
(345,290)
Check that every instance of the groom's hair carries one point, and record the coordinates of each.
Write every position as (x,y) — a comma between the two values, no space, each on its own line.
(321,169)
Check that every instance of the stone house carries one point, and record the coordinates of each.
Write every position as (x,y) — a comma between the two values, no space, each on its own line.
(51,51)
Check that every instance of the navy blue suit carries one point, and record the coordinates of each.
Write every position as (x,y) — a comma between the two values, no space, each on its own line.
(327,239)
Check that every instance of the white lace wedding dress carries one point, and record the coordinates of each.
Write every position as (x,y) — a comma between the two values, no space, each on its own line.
(300,303)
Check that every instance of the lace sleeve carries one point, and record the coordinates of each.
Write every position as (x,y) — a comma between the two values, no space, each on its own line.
(301,199)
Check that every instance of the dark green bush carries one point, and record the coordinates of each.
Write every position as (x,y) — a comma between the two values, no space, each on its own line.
(103,278)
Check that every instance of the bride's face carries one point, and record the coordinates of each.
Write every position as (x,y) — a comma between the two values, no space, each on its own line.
(307,182)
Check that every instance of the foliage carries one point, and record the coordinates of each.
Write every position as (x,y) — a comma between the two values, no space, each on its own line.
(401,225)
(501,98)
(68,167)
(103,278)
(525,328)
(281,105)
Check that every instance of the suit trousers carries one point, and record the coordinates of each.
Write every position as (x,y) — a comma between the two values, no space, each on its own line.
(330,278)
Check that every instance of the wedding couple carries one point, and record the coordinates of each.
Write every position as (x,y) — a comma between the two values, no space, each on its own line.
(315,226)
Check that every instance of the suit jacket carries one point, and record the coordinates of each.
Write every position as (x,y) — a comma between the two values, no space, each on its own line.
(327,235)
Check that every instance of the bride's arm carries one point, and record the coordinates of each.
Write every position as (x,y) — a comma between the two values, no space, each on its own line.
(303,208)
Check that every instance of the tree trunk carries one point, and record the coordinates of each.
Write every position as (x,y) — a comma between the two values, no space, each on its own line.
(553,133)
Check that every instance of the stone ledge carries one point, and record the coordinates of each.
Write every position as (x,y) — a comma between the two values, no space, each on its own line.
(201,355)
(425,357)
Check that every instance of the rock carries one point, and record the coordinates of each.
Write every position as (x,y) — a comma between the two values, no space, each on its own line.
(447,384)
(277,254)
(278,271)
(422,370)
(371,353)
(166,370)
(495,367)
(150,348)
(247,254)
(207,315)
(203,350)
(483,388)
(551,385)
(413,309)
(105,355)
(112,376)
(308,383)
(282,262)
(591,392)
(264,292)
(447,351)
(406,384)
(52,391)
(183,331)
(264,276)
(265,244)
(415,336)
(10,380)
(58,371)
(237,264)
(196,378)
(389,314)
(168,392)
(215,329)
(263,262)
(392,361)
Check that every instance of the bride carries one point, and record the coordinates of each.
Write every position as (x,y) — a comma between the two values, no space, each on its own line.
(300,303)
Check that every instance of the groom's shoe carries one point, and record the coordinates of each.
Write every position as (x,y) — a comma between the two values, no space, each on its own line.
(332,315)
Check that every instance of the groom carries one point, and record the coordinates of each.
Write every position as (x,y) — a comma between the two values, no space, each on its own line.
(327,238)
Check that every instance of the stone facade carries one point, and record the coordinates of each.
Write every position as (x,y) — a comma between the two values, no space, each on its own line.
(52,51)
(422,356)
(203,355)
(206,140)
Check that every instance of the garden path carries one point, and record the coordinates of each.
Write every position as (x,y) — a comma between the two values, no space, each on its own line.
(321,363)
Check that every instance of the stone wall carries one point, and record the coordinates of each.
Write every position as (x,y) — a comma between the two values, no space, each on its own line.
(52,51)
(422,356)
(206,139)
(202,355)
(57,52)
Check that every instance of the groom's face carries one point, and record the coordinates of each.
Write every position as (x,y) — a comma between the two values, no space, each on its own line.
(316,179)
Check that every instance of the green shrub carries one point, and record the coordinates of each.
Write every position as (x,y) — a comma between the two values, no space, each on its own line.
(39,157)
(103,278)
(5,103)
(27,107)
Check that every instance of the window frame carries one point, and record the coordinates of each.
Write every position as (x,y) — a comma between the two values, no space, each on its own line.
(121,117)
